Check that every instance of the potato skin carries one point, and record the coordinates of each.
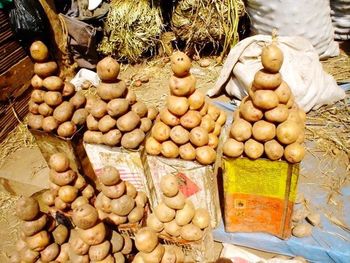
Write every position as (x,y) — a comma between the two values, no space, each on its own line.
(133,139)
(128,121)
(30,228)
(191,232)
(110,91)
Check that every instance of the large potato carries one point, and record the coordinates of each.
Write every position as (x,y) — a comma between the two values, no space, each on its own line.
(123,205)
(133,139)
(39,241)
(94,235)
(110,91)
(283,92)
(30,228)
(168,118)
(64,112)
(136,214)
(94,137)
(278,114)
(152,146)
(35,121)
(185,215)
(39,51)
(128,122)
(85,216)
(187,152)
(100,251)
(152,113)
(154,223)
(49,124)
(191,232)
(175,202)
(263,131)
(68,89)
(177,105)
(106,123)
(77,244)
(112,138)
(294,153)
(50,252)
(53,83)
(45,69)
(172,228)
(201,218)
(117,107)
(53,98)
(267,81)
(288,132)
(146,240)
(99,109)
(169,149)
(207,123)
(199,136)
(36,82)
(117,242)
(249,112)
(233,148)
(253,149)
(37,96)
(182,86)
(196,100)
(272,58)
(108,69)
(68,193)
(155,255)
(191,119)
(114,191)
(79,117)
(140,109)
(180,64)
(146,125)
(92,123)
(164,213)
(179,135)
(78,100)
(265,99)
(205,155)
(27,208)
(273,150)
(160,131)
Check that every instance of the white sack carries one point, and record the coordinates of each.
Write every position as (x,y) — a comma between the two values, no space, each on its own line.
(301,69)
(305,18)
(83,75)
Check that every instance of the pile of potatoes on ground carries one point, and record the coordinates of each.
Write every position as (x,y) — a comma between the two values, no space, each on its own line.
(40,239)
(268,121)
(119,202)
(189,126)
(116,117)
(54,105)
(150,250)
(176,216)
(68,189)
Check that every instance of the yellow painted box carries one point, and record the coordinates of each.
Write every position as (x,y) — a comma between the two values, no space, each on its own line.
(259,195)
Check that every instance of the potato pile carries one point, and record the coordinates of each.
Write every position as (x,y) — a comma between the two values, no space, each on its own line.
(150,250)
(116,117)
(41,240)
(176,216)
(54,105)
(268,121)
(119,202)
(189,126)
(68,189)
(91,241)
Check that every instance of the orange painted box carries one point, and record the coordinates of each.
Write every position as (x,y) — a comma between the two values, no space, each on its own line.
(259,195)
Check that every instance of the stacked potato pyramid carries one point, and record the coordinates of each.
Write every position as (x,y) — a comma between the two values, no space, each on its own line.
(54,105)
(268,121)
(115,116)
(189,126)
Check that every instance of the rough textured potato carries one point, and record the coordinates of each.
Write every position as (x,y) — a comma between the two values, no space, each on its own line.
(78,100)
(179,135)
(45,109)
(180,64)
(63,256)
(50,252)
(168,118)
(66,129)
(45,69)
(27,208)
(205,155)
(191,232)
(152,113)
(176,202)
(93,137)
(123,205)
(130,96)
(79,117)
(30,228)
(85,216)
(49,124)
(100,251)
(99,109)
(109,176)
(39,241)
(81,200)
(152,146)
(106,123)
(187,152)
(33,107)
(133,139)
(117,107)
(169,255)
(64,112)
(127,248)
(110,91)
(114,191)
(38,51)
(128,121)
(60,204)
(155,256)
(37,96)
(68,89)
(154,223)
(191,119)
(94,235)
(108,69)
(35,121)
(177,105)
(130,189)
(77,244)
(28,255)
(53,83)
(185,215)
(140,109)
(182,86)
(169,149)
(160,131)
(112,138)
(88,191)
(266,80)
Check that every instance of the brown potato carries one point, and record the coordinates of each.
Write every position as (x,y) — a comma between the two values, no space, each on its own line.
(130,96)
(27,208)
(187,152)
(222,118)
(103,203)
(117,242)
(53,83)
(265,99)
(283,92)
(128,121)
(199,136)
(68,193)
(88,191)
(76,244)
(164,213)
(288,132)
(172,228)
(60,205)
(114,191)
(33,107)
(241,130)
(85,216)
(204,109)
(79,117)
(66,129)
(119,257)
(264,80)
(78,258)
(39,241)
(35,121)
(130,190)
(100,251)
(170,254)
(49,124)
(80,182)
(78,100)
(213,112)
(136,214)
(205,155)
(49,197)
(154,223)
(180,64)
(152,113)
(273,150)
(99,109)
(140,109)
(154,256)
(110,91)
(36,82)
(191,232)
(123,205)
(278,114)
(152,146)
(38,51)
(53,98)
(117,107)
(272,58)
(191,119)
(141,199)
(112,138)
(45,69)
(37,96)
(213,141)
(146,240)
(108,69)
(160,131)
(177,105)
(249,112)
(146,125)
(169,185)
(116,220)
(168,118)
(50,252)
(253,149)
(81,200)
(28,255)
(233,148)
(133,139)
(201,218)
(294,153)
(182,86)
(30,228)
(92,123)
(127,245)
(106,123)
(263,131)
(207,123)
(64,112)
(93,137)
(63,255)
(196,100)
(175,202)
(185,215)
(169,149)
(68,89)
(109,176)
(45,109)
(179,135)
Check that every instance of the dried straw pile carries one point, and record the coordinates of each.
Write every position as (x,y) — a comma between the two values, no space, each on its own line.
(202,22)
(338,67)
(131,29)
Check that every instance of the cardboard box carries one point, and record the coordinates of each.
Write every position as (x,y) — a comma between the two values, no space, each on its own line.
(259,195)
(197,182)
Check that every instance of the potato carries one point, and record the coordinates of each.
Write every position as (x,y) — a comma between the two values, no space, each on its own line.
(63,256)
(184,216)
(106,123)
(109,176)
(28,255)
(117,107)
(290,102)
(78,100)
(36,82)
(79,117)
(53,83)
(288,132)
(273,150)
(136,214)
(294,153)
(30,228)
(94,235)
(130,96)
(54,187)
(64,112)
(302,115)
(146,125)
(68,89)
(78,258)
(253,149)
(35,121)
(263,131)
(33,107)
(39,241)
(130,190)
(117,220)
(207,123)
(59,162)
(79,201)
(272,58)
(152,146)
(52,98)
(241,130)
(164,213)
(187,152)
(80,182)
(92,123)
(93,137)
(199,136)
(100,251)
(169,149)
(60,204)
(213,112)
(283,92)
(180,64)
(110,91)
(45,109)
(48,198)
(196,100)
(119,257)
(278,114)
(127,248)
(49,124)
(265,99)
(177,105)
(302,230)
(204,109)
(146,240)
(205,155)
(160,131)
(213,141)
(267,81)
(85,216)
(68,193)
(123,205)
(128,121)
(117,242)
(169,185)
(88,192)
(140,109)
(168,118)
(77,245)
(182,86)
(133,139)
(191,119)
(179,135)
(99,109)
(154,223)
(38,51)
(37,96)
(249,112)
(154,256)
(191,232)
(152,113)
(108,69)
(201,218)
(172,228)
(114,191)
(66,129)
(50,252)
(176,202)
(45,69)
(27,208)
(112,138)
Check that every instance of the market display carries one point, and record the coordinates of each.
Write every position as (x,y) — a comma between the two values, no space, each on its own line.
(116,117)
(189,126)
(268,123)
(54,105)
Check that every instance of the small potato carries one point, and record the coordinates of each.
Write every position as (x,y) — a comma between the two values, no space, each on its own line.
(36,82)
(117,107)
(172,228)
(35,121)
(45,69)
(103,203)
(141,199)
(88,191)
(117,242)
(160,131)
(191,232)
(177,105)
(263,131)
(93,137)
(185,215)
(64,112)
(33,107)
(53,83)
(213,112)
(204,109)
(133,139)
(249,112)
(50,252)
(79,201)
(168,118)
(208,123)
(146,240)
(68,193)
(152,146)
(39,51)
(49,198)
(128,121)
(79,117)
(169,149)
(100,251)
(45,109)
(114,191)
(152,113)
(30,228)
(283,92)
(199,136)
(130,190)
(78,100)
(253,149)
(109,176)
(176,202)
(128,244)
(179,135)
(164,213)
(108,69)
(140,109)
(273,150)
(99,109)
(136,214)
(205,155)
(154,223)
(187,152)
(265,99)
(278,114)
(68,89)
(37,96)
(222,118)
(123,205)
(27,208)
(92,123)
(146,125)
(130,96)
(264,80)
(110,91)
(169,185)
(106,123)
(62,178)
(213,141)
(201,218)
(191,119)
(66,129)
(196,100)
(49,124)
(85,216)
(112,138)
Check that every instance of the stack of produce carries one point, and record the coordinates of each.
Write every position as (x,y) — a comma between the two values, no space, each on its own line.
(189,125)
(67,188)
(54,105)
(41,240)
(268,120)
(176,216)
(92,242)
(115,116)
(119,202)
(146,241)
